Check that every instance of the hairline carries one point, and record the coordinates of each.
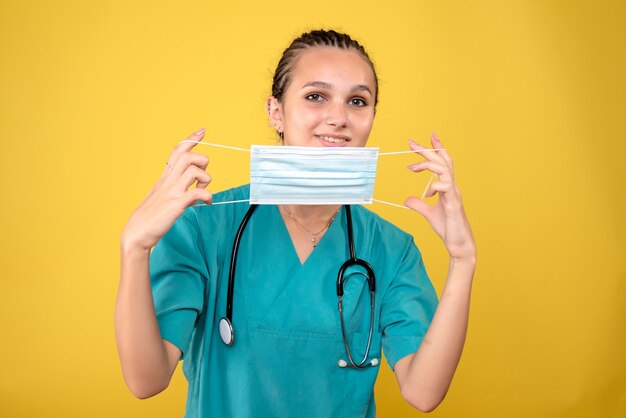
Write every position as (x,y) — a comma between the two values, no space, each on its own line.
(296,58)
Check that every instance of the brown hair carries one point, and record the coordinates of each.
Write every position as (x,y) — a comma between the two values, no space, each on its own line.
(309,40)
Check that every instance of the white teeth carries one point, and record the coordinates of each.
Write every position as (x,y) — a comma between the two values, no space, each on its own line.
(333,140)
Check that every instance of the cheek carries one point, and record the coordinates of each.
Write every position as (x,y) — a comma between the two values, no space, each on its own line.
(303,118)
(364,123)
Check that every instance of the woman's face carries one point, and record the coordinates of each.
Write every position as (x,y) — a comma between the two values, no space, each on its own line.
(329,101)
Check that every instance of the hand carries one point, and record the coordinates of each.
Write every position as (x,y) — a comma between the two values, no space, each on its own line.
(170,196)
(447,217)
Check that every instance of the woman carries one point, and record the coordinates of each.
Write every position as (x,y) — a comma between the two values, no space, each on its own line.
(288,343)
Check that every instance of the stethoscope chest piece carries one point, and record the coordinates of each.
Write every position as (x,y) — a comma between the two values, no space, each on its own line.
(226,331)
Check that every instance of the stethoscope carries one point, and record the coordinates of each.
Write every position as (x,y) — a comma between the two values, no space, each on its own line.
(227,332)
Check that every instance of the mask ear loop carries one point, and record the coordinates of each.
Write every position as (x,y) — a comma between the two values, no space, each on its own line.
(188,141)
(430,181)
(427,189)
(374,200)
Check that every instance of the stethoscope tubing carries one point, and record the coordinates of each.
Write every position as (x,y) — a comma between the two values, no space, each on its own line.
(233,262)
(371,281)
(225,324)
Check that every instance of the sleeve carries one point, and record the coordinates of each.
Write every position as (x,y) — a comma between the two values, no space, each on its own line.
(408,307)
(178,275)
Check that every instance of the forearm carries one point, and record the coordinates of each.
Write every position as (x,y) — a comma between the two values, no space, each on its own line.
(430,370)
(142,352)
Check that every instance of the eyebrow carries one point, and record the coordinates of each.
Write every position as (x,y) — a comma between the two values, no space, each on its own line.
(324,85)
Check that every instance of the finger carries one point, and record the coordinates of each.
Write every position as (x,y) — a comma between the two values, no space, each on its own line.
(440,169)
(419,206)
(427,188)
(201,184)
(427,153)
(438,187)
(191,175)
(187,160)
(191,196)
(436,143)
(185,146)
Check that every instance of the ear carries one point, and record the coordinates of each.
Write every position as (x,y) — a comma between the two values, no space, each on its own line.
(275,113)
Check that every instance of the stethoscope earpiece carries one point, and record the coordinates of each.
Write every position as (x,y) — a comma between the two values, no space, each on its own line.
(343,364)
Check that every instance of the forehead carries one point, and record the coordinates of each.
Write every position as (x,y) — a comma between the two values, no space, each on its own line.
(334,65)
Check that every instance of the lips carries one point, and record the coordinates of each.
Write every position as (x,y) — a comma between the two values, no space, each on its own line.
(333,140)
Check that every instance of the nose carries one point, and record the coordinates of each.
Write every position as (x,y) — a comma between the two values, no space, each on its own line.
(337,115)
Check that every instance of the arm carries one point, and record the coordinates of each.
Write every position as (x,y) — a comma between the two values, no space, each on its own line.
(424,376)
(147,360)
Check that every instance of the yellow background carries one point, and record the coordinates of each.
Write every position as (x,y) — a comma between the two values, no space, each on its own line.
(529,97)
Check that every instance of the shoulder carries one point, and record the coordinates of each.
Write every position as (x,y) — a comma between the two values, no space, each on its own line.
(375,224)
(389,247)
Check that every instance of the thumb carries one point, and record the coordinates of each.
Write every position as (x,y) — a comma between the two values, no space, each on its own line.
(418,205)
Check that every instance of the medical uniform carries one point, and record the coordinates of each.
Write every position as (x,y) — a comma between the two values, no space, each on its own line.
(287,329)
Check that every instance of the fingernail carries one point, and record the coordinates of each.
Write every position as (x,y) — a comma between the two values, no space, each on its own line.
(411,167)
(411,142)
(434,136)
(200,131)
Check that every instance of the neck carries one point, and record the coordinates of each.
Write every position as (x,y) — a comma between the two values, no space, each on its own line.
(312,213)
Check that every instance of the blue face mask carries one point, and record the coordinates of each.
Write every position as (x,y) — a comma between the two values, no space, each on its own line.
(312,175)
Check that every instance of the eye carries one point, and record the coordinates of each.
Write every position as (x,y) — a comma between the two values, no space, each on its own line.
(358,102)
(315,97)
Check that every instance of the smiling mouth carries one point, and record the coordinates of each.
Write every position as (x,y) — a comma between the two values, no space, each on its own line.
(333,139)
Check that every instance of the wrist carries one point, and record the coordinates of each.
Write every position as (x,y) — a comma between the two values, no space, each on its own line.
(468,260)
(463,268)
(130,247)
(463,255)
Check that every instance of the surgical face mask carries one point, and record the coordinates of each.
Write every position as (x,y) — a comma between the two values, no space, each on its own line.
(312,175)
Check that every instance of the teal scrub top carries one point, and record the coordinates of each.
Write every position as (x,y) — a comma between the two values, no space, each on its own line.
(288,337)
